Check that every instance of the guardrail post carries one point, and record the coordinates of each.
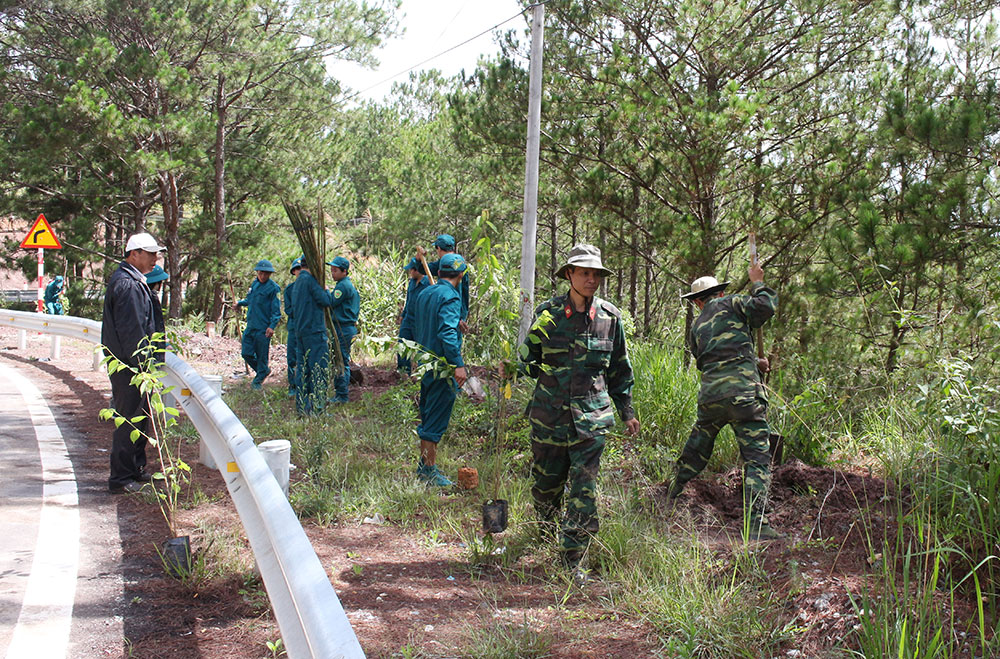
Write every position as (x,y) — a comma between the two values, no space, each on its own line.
(98,358)
(56,352)
(22,339)
(204,453)
(277,453)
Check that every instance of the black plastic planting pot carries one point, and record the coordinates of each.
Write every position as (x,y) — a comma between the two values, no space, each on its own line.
(177,556)
(495,516)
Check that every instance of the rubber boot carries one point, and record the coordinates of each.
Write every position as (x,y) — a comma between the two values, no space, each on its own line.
(572,562)
(761,530)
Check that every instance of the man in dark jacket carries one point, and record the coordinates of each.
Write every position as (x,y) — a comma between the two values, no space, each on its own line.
(129,322)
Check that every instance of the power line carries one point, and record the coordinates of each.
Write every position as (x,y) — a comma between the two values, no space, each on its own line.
(464,5)
(445,52)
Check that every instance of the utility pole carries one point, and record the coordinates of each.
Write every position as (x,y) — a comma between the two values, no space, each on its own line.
(530,221)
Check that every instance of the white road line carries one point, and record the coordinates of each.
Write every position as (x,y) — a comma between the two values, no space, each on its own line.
(43,626)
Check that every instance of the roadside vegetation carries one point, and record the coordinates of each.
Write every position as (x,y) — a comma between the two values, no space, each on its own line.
(856,141)
(927,540)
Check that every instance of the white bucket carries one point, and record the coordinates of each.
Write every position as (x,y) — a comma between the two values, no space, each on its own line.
(215,382)
(277,453)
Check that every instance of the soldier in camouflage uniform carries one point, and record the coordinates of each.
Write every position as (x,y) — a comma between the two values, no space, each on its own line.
(576,350)
(731,389)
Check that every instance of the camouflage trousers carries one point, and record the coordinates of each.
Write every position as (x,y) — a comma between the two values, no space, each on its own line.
(554,466)
(747,416)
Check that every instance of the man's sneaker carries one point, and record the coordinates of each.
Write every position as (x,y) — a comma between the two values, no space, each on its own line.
(431,475)
(761,530)
(291,393)
(439,479)
(255,385)
(143,477)
(131,487)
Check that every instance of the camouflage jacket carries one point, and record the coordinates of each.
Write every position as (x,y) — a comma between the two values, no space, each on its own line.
(582,366)
(722,343)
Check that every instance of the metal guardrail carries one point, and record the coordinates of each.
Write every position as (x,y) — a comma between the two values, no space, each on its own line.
(309,614)
(20,295)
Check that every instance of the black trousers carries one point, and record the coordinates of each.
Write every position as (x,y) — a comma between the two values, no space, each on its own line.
(128,458)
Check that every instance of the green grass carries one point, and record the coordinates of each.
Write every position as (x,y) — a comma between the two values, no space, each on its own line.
(939,549)
(360,459)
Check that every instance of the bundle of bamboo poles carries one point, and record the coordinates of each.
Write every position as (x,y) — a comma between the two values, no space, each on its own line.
(312,239)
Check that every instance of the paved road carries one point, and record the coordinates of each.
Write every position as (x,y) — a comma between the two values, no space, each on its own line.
(60,583)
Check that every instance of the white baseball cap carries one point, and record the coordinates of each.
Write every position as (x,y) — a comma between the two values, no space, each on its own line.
(145,242)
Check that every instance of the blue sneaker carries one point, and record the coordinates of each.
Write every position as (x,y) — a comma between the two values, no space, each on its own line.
(291,393)
(255,385)
(431,475)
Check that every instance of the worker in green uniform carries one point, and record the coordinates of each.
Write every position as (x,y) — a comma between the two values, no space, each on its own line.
(417,281)
(445,244)
(52,298)
(292,347)
(263,315)
(576,350)
(345,304)
(313,369)
(437,315)
(732,391)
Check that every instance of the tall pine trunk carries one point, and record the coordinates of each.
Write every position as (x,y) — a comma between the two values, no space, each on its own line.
(220,197)
(167,182)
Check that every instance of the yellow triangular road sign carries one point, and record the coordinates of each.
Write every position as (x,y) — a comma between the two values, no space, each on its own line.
(41,235)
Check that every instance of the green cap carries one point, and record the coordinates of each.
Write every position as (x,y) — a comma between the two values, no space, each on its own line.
(264,266)
(445,241)
(340,262)
(156,274)
(451,265)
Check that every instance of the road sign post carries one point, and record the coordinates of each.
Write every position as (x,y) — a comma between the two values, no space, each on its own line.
(41,281)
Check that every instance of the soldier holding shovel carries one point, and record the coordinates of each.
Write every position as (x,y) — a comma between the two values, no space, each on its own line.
(732,391)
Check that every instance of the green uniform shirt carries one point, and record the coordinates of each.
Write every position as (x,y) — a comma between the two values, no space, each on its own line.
(722,343)
(264,306)
(345,303)
(582,367)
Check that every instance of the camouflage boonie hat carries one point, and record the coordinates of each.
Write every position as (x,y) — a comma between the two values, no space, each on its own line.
(583,256)
(703,287)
